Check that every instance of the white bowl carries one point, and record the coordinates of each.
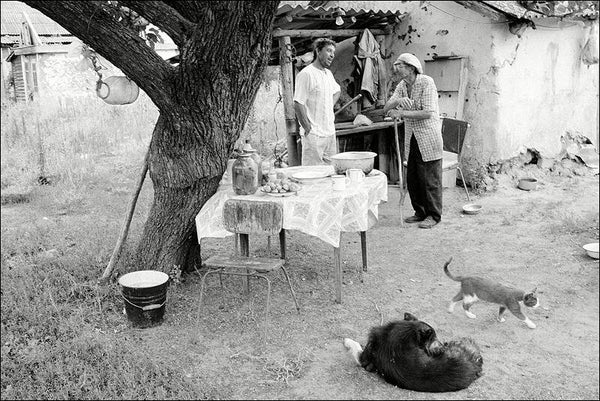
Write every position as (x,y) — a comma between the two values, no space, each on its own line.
(472,208)
(592,249)
(362,160)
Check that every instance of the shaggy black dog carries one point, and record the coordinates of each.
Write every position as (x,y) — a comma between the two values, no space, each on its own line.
(408,354)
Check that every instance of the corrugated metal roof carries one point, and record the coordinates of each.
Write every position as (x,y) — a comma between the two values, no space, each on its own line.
(12,17)
(301,10)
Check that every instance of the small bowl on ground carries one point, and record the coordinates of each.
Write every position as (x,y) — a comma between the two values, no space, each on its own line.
(527,184)
(472,208)
(592,250)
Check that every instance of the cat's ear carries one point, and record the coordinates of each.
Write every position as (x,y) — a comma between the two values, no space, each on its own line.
(409,316)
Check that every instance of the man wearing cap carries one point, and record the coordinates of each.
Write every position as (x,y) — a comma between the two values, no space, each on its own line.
(415,100)
(315,94)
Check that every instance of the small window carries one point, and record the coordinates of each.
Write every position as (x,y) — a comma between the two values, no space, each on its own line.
(31,76)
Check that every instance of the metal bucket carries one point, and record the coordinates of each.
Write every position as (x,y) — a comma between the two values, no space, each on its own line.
(145,296)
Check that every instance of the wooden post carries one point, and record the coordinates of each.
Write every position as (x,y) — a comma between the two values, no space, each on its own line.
(383,145)
(282,243)
(383,86)
(363,247)
(462,89)
(125,228)
(245,252)
(337,273)
(287,83)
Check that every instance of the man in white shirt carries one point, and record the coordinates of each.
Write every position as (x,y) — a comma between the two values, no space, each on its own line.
(315,94)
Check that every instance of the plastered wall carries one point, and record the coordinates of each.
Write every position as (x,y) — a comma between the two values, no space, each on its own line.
(522,92)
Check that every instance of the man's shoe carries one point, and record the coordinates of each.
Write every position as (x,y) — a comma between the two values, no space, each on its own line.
(429,222)
(414,219)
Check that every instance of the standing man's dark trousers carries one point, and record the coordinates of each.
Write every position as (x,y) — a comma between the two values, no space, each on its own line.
(424,183)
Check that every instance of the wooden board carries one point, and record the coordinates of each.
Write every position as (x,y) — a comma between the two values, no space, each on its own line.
(252,217)
(243,263)
(364,128)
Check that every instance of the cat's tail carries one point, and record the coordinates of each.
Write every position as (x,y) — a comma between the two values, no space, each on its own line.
(448,272)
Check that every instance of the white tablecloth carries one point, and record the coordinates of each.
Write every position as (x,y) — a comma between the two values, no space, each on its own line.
(316,210)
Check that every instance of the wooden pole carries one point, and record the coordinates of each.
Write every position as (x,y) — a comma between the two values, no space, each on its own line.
(287,83)
(337,273)
(315,33)
(125,229)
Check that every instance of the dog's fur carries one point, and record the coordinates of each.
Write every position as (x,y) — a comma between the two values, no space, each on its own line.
(408,354)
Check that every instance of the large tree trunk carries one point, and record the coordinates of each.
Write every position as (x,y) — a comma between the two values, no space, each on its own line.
(192,141)
(169,237)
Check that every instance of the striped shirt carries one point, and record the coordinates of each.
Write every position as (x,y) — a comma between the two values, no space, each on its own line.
(428,132)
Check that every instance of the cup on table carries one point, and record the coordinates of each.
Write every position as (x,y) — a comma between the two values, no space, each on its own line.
(338,182)
(356,175)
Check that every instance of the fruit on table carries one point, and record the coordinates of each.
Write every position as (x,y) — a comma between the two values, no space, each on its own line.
(280,186)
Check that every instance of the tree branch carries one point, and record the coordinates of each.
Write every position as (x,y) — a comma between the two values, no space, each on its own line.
(163,16)
(91,22)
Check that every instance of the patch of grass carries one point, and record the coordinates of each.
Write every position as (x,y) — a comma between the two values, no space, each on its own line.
(63,335)
(566,220)
(86,367)
(59,328)
(40,139)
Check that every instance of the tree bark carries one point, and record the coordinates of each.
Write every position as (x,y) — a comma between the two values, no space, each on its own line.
(203,102)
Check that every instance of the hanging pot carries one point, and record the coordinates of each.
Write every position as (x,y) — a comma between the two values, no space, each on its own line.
(117,90)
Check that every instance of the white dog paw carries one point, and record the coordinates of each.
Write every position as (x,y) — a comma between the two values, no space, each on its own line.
(501,319)
(470,315)
(350,344)
(354,348)
(530,324)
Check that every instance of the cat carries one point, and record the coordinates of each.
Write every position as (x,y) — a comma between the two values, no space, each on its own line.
(474,288)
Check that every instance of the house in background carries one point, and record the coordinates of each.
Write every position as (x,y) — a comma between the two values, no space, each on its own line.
(28,38)
(520,79)
(35,57)
(528,81)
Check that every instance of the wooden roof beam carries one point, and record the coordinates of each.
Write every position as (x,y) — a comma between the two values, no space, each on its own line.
(309,33)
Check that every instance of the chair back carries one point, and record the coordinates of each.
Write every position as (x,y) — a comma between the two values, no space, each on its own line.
(242,216)
(453,134)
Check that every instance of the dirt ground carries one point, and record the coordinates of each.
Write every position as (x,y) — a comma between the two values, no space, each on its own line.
(524,239)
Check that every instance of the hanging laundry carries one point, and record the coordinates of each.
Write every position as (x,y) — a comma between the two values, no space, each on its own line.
(369,66)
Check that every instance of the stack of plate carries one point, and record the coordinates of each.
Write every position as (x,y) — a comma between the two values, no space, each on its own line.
(310,175)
